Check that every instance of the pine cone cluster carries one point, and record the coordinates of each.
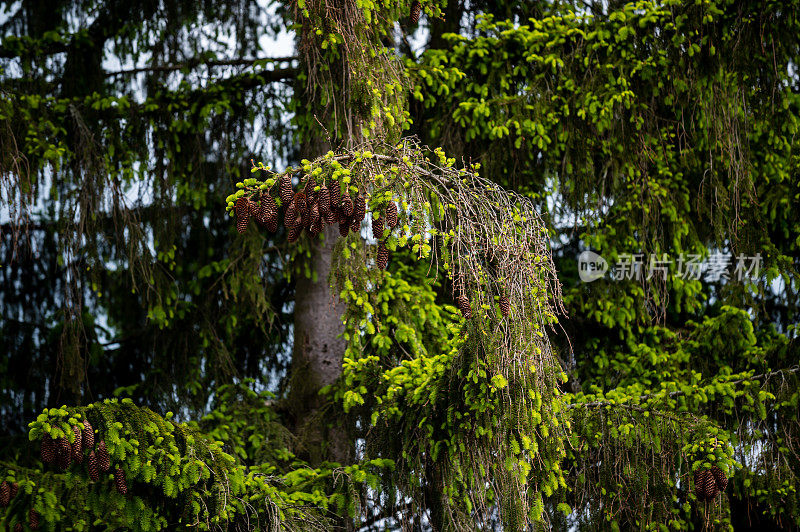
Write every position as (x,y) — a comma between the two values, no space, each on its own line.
(62,453)
(312,208)
(708,483)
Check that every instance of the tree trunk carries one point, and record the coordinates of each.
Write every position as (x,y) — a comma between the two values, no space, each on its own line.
(317,355)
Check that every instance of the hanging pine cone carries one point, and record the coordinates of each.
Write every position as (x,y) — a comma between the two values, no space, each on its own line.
(360,208)
(383,256)
(63,453)
(294,233)
(5,494)
(33,519)
(324,200)
(332,216)
(14,490)
(347,206)
(77,447)
(48,451)
(18,527)
(119,480)
(242,214)
(301,204)
(316,227)
(700,484)
(103,458)
(355,224)
(309,187)
(313,214)
(285,189)
(88,435)
(267,210)
(290,216)
(416,10)
(377,228)
(92,467)
(344,227)
(710,485)
(336,195)
(720,478)
(505,306)
(462,302)
(391,214)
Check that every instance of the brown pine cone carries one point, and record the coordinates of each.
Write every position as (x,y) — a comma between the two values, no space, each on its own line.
(383,256)
(14,490)
(316,227)
(355,224)
(33,519)
(272,223)
(313,213)
(344,227)
(266,210)
(710,485)
(18,527)
(5,494)
(360,207)
(700,484)
(377,228)
(119,480)
(242,214)
(336,195)
(290,216)
(103,458)
(462,302)
(347,206)
(77,447)
(391,214)
(285,189)
(48,451)
(416,11)
(92,467)
(719,477)
(63,453)
(324,200)
(505,306)
(294,233)
(332,216)
(88,435)
(301,204)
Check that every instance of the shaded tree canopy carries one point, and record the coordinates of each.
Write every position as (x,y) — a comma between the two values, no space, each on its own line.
(432,356)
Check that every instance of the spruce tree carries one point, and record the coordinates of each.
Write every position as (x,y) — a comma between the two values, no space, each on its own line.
(342,288)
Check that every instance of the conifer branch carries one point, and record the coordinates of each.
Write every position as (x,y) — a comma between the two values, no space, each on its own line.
(194,63)
(678,393)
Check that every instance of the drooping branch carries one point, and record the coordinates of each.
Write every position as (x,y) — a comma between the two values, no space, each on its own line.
(677,393)
(194,63)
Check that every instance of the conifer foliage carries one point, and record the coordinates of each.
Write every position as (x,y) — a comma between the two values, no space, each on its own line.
(479,381)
